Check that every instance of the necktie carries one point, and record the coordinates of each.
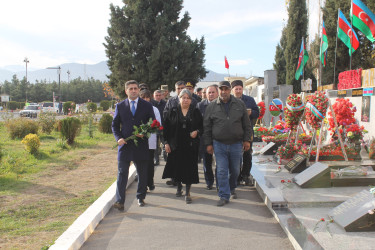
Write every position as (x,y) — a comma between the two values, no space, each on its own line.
(133,107)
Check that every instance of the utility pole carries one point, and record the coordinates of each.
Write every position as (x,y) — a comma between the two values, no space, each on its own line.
(59,73)
(68,75)
(26,61)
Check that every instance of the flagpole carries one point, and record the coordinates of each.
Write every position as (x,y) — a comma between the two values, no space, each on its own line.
(351,35)
(303,59)
(320,54)
(337,32)
(228,73)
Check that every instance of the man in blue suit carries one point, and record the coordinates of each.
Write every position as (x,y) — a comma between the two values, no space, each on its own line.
(133,111)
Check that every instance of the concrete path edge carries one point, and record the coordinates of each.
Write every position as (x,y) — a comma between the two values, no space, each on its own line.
(81,229)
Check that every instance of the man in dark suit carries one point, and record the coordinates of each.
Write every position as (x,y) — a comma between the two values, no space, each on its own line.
(133,111)
(212,93)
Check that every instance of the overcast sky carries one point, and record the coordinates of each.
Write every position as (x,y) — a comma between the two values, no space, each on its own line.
(51,32)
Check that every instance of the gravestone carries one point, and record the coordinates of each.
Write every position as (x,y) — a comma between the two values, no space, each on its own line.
(315,176)
(297,164)
(353,180)
(353,215)
(269,149)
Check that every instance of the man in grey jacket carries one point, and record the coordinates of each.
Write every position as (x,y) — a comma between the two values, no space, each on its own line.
(227,133)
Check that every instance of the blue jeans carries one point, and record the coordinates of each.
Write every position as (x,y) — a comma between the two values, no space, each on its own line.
(228,158)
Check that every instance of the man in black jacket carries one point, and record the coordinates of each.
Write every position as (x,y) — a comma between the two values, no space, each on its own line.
(212,94)
(253,111)
(227,132)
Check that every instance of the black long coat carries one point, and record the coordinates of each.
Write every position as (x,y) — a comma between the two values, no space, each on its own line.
(182,162)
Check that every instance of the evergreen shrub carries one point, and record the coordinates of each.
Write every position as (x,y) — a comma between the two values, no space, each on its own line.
(20,127)
(32,143)
(70,128)
(105,124)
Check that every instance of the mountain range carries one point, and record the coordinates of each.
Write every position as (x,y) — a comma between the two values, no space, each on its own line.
(98,71)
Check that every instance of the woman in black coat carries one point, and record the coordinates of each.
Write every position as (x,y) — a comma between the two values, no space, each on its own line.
(182,128)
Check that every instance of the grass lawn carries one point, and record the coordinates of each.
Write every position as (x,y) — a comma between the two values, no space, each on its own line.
(42,194)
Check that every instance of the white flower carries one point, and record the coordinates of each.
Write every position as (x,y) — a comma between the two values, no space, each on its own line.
(370,211)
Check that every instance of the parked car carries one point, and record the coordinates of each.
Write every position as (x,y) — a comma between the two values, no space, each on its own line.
(31,111)
(50,107)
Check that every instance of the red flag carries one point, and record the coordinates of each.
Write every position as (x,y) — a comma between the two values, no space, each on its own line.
(226,62)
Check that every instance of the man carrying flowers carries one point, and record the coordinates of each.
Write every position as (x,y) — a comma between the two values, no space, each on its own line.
(129,114)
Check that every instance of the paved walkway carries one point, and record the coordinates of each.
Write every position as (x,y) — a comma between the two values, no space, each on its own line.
(167,222)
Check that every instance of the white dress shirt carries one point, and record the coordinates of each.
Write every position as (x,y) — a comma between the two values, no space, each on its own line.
(153,138)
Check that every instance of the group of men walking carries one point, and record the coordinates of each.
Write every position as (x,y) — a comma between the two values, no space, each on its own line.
(227,134)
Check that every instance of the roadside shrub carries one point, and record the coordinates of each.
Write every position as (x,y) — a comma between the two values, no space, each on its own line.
(12,105)
(32,143)
(69,107)
(100,109)
(20,105)
(105,124)
(47,122)
(70,128)
(105,105)
(20,127)
(92,107)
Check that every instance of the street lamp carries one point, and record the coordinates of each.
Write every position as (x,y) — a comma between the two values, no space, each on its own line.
(26,61)
(58,72)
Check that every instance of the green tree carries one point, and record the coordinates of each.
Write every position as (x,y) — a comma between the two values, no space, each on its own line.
(279,64)
(295,30)
(147,41)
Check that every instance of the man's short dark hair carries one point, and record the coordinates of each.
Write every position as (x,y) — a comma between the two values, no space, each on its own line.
(199,89)
(145,93)
(159,91)
(178,83)
(143,86)
(131,82)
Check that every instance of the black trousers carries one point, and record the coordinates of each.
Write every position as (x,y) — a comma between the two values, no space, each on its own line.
(150,168)
(207,168)
(247,162)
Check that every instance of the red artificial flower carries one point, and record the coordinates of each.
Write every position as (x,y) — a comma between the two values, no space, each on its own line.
(161,128)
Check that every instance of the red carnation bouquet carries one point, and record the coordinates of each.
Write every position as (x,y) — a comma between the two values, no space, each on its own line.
(293,110)
(144,130)
(316,108)
(344,111)
(262,110)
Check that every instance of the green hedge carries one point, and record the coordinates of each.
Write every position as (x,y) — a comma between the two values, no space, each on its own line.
(12,105)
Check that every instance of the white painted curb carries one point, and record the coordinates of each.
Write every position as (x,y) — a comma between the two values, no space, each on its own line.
(81,229)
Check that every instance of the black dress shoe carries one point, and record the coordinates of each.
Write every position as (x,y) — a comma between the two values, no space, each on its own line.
(119,206)
(152,187)
(141,202)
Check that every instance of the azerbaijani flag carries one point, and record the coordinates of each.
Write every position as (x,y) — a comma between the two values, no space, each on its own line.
(346,33)
(324,46)
(302,59)
(363,19)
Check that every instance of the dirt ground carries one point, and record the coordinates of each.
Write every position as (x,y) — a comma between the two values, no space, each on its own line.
(88,173)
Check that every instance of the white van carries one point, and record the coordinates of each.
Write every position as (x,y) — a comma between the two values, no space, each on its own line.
(50,107)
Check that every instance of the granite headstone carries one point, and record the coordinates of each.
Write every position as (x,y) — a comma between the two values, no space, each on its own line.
(315,176)
(354,215)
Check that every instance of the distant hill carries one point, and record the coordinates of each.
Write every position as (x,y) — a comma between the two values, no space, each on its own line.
(97,71)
